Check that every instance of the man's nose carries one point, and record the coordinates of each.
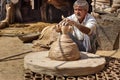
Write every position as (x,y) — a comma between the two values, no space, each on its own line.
(77,11)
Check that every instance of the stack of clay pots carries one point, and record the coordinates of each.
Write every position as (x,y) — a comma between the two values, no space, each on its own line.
(100,5)
(116,5)
(108,6)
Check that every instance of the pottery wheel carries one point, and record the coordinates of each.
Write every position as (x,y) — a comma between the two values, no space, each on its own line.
(39,62)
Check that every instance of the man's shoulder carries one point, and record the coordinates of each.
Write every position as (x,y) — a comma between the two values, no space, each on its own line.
(72,17)
(89,16)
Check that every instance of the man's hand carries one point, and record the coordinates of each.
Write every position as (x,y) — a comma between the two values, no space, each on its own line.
(70,22)
(66,29)
(60,24)
(65,22)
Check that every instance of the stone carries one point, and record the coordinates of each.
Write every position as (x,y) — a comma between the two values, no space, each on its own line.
(40,63)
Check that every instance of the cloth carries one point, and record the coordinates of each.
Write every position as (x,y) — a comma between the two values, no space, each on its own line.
(47,37)
(8,1)
(85,42)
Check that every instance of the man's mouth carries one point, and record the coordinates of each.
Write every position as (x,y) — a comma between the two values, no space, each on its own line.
(78,16)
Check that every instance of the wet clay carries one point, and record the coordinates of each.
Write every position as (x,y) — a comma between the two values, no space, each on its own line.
(64,49)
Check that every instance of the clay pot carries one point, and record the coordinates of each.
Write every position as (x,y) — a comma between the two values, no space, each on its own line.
(29,37)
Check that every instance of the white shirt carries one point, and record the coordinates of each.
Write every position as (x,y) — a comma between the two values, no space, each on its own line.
(89,22)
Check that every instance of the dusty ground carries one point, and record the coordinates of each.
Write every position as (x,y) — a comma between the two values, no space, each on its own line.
(11,64)
(12,68)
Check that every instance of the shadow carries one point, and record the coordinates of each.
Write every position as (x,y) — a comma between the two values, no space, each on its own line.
(11,56)
(113,53)
(61,48)
(11,59)
(110,61)
(116,43)
(85,56)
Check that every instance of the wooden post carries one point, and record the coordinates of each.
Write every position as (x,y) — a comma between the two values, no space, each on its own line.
(32,3)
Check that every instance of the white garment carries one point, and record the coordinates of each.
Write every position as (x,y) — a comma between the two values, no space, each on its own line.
(89,22)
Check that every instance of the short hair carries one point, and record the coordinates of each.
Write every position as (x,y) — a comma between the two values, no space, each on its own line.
(82,3)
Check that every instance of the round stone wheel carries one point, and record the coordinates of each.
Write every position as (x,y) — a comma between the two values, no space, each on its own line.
(40,63)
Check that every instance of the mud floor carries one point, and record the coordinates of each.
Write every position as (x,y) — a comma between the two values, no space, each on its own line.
(11,64)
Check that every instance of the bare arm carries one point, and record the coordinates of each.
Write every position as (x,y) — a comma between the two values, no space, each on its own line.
(73,23)
(82,28)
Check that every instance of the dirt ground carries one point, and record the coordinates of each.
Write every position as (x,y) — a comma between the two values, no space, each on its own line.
(13,50)
(11,64)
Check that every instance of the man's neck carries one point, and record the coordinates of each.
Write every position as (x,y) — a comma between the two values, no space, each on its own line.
(81,20)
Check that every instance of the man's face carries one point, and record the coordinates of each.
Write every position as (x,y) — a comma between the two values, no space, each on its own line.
(80,12)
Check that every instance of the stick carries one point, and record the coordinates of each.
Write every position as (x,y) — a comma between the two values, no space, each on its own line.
(10,56)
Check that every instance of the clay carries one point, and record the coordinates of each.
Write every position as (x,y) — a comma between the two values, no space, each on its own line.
(64,49)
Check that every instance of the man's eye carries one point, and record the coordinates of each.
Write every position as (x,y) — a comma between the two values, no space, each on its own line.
(78,9)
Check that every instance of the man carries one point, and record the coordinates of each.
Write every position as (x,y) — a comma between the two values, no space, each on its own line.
(84,27)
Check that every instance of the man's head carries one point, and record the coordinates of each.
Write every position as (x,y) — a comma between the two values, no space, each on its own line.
(81,8)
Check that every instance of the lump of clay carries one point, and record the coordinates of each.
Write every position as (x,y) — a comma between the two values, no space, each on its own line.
(64,49)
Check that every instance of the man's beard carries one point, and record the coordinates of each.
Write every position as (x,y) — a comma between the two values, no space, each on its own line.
(78,16)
